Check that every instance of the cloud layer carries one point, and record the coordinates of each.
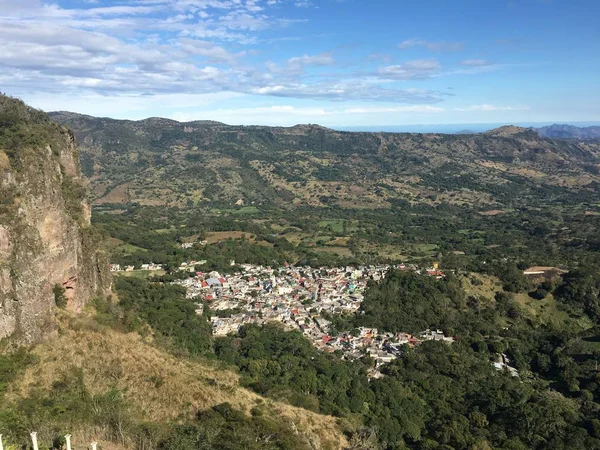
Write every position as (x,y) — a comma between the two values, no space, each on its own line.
(151,47)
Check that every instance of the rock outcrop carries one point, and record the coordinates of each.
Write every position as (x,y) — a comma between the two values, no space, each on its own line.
(49,252)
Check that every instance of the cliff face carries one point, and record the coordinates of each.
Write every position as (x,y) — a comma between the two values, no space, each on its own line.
(49,252)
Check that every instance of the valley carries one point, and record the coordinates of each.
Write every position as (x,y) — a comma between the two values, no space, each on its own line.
(304,288)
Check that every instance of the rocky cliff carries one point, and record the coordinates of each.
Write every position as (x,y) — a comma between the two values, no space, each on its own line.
(49,253)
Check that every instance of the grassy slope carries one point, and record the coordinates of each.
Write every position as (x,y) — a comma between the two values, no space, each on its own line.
(133,365)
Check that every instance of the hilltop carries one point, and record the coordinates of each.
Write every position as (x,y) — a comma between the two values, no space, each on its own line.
(164,162)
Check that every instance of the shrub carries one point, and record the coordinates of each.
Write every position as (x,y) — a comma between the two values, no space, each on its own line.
(60,299)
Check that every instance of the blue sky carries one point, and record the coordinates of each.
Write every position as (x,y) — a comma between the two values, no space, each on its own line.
(346,63)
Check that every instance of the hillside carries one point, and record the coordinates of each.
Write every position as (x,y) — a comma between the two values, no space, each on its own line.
(163,162)
(134,386)
(49,253)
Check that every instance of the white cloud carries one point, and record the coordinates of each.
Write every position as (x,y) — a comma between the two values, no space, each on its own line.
(289,115)
(128,106)
(138,49)
(486,107)
(475,62)
(298,64)
(436,46)
(324,59)
(396,109)
(416,69)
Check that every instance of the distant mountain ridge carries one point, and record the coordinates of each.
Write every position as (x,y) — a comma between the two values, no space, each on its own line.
(165,162)
(558,131)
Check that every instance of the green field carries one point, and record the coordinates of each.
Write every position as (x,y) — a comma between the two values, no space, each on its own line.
(335,225)
(548,311)
(591,344)
(124,248)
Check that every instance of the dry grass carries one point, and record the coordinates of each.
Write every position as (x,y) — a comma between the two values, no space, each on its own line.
(4,162)
(493,212)
(486,287)
(159,386)
(341,251)
(119,194)
(340,241)
(218,236)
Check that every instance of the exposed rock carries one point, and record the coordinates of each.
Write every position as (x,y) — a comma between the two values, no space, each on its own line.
(46,239)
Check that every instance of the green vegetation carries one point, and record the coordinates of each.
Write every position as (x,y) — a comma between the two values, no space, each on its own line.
(166,310)
(74,194)
(335,226)
(286,365)
(422,198)
(11,365)
(213,165)
(22,127)
(437,395)
(224,428)
(581,291)
(245,210)
(69,405)
(440,395)
(141,274)
(433,396)
(60,299)
(78,400)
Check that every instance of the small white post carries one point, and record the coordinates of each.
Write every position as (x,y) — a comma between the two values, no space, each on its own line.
(34,440)
(67,440)
(94,444)
(1,444)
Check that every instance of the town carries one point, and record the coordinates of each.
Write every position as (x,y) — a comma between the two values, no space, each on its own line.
(301,298)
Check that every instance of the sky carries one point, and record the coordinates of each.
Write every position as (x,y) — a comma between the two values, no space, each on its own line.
(338,63)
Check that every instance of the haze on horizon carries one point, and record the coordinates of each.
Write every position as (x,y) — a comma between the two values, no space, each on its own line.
(339,63)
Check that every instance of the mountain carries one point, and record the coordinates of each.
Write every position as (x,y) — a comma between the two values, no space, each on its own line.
(164,162)
(557,131)
(48,250)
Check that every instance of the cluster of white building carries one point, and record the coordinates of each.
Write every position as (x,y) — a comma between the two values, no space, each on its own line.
(299,298)
(150,266)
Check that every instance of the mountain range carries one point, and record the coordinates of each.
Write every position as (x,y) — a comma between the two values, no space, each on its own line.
(163,162)
(569,132)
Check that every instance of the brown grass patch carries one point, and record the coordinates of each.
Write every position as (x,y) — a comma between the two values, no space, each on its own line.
(120,194)
(157,385)
(483,286)
(4,161)
(218,236)
(362,205)
(340,241)
(493,212)
(342,251)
